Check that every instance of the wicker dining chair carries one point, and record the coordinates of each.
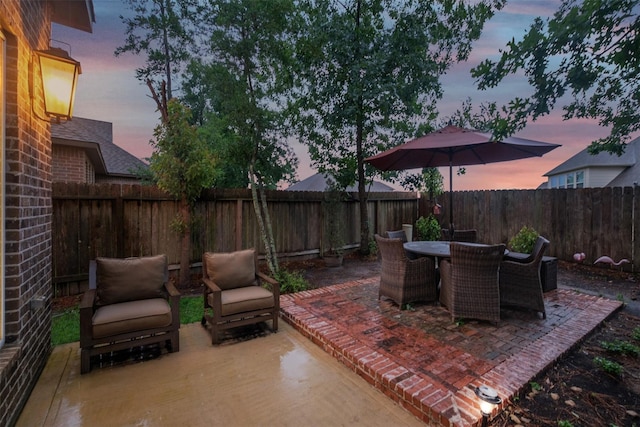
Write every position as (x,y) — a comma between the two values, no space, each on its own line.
(469,281)
(402,279)
(397,234)
(520,284)
(468,236)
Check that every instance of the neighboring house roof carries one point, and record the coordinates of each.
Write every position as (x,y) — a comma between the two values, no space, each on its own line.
(584,160)
(630,176)
(320,182)
(96,137)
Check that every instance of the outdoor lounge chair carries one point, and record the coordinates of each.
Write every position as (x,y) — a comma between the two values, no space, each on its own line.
(469,281)
(468,236)
(520,284)
(130,303)
(402,279)
(234,291)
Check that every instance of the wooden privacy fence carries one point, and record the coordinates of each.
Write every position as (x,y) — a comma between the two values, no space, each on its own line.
(596,221)
(119,220)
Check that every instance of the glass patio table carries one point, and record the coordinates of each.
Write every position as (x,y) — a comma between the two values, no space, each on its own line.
(435,248)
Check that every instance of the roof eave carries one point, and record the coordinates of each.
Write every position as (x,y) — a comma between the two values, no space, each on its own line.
(92,149)
(78,14)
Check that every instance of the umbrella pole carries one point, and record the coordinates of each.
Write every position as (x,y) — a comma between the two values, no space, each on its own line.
(450,198)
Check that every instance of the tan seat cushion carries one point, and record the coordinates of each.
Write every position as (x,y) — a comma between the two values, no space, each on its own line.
(231,270)
(131,316)
(129,279)
(248,298)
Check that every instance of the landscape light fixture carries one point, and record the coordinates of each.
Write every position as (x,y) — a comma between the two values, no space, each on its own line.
(59,75)
(489,399)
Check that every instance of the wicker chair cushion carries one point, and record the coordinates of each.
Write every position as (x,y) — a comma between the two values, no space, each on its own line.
(231,270)
(241,300)
(131,316)
(129,279)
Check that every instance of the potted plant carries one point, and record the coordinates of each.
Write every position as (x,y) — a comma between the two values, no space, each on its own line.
(428,228)
(524,240)
(334,223)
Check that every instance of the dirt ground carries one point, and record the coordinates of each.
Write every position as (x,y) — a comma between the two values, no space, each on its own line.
(573,392)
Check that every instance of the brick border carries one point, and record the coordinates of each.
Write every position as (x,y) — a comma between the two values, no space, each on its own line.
(428,400)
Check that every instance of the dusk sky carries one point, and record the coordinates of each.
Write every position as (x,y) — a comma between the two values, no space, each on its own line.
(108,91)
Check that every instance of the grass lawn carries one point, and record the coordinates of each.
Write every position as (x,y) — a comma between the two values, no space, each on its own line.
(66,325)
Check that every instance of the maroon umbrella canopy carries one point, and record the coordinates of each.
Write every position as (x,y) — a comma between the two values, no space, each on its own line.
(454,146)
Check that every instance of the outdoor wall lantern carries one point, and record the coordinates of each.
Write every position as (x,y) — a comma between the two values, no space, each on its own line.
(489,399)
(59,73)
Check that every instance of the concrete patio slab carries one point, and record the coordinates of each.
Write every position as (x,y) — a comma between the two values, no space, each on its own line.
(277,379)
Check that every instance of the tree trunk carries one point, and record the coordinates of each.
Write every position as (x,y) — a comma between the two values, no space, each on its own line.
(266,239)
(185,244)
(362,191)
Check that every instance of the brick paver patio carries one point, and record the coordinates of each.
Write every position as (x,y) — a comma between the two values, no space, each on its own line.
(427,363)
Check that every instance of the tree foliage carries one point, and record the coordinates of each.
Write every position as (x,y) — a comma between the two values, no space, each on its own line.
(182,165)
(590,51)
(181,162)
(164,31)
(369,77)
(247,63)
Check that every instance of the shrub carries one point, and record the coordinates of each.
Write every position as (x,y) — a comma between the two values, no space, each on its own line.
(291,282)
(609,366)
(428,228)
(524,240)
(621,347)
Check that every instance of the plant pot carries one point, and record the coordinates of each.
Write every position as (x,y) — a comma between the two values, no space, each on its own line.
(333,260)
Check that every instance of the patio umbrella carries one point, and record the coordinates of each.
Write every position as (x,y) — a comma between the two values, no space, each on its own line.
(455,146)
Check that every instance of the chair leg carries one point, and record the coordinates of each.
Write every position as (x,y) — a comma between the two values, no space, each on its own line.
(175,342)
(275,323)
(85,361)
(215,340)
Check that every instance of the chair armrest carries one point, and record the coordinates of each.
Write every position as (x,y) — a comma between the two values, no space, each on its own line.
(267,279)
(174,303)
(211,285)
(275,285)
(88,300)
(518,257)
(171,290)
(428,261)
(86,316)
(517,274)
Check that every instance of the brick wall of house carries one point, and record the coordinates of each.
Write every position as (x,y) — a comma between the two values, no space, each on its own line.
(71,164)
(26,26)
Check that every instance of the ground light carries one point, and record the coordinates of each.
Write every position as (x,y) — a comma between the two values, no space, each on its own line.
(489,399)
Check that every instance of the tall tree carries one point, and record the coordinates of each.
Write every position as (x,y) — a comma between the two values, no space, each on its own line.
(369,77)
(248,79)
(182,165)
(163,30)
(589,50)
